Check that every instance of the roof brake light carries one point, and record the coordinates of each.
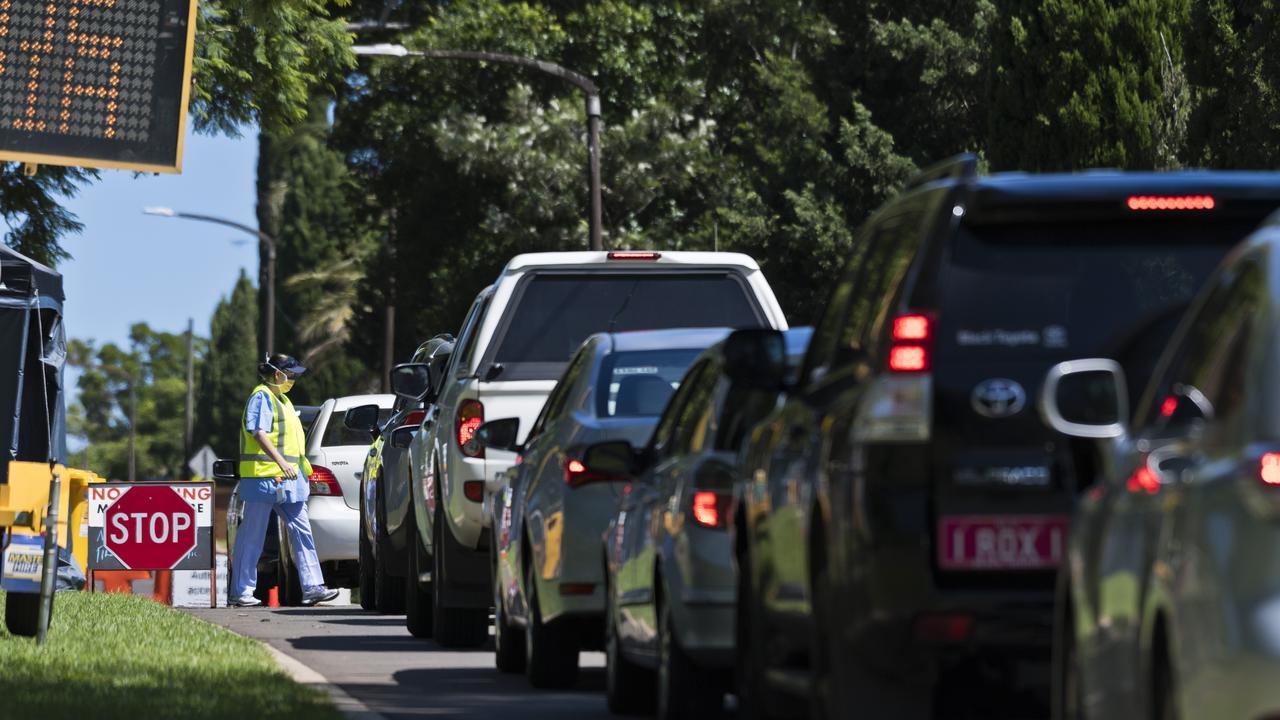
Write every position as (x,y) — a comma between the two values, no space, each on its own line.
(634,255)
(1171,202)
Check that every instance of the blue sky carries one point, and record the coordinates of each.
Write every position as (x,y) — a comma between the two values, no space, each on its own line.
(128,267)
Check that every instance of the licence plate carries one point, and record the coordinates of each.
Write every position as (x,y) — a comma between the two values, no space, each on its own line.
(1002,542)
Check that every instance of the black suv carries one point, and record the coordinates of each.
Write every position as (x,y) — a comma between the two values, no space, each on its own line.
(904,510)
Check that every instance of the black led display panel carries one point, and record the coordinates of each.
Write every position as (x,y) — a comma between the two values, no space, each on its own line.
(95,83)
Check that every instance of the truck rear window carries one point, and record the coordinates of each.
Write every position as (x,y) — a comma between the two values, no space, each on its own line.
(554,312)
(1077,290)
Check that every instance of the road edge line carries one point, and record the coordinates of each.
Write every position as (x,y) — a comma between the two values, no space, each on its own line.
(351,708)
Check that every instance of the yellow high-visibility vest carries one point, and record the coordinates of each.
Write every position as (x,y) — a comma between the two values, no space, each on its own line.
(286,435)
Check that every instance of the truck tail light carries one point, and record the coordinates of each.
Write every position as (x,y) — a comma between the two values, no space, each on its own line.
(470,418)
(323,482)
(912,346)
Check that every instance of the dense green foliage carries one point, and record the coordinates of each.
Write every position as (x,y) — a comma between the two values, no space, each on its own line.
(125,656)
(228,371)
(762,126)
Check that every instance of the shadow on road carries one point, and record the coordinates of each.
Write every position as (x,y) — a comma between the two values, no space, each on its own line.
(480,693)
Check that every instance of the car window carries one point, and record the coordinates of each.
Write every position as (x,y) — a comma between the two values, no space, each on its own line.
(1041,292)
(696,424)
(557,401)
(553,313)
(468,336)
(336,434)
(877,285)
(1208,369)
(639,384)
(664,433)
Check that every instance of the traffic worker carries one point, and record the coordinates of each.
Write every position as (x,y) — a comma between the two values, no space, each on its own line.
(274,473)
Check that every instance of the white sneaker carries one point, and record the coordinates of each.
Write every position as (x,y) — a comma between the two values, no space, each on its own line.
(318,595)
(246,601)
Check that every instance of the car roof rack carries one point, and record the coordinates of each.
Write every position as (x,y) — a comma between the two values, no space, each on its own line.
(964,165)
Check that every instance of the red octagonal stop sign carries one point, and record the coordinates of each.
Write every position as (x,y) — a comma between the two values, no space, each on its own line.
(150,528)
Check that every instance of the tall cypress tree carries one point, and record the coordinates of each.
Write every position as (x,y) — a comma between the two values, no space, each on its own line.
(1081,83)
(230,369)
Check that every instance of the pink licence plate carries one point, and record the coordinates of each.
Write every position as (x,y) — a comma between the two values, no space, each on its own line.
(1001,542)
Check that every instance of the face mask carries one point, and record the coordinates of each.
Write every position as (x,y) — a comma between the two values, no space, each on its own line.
(283,387)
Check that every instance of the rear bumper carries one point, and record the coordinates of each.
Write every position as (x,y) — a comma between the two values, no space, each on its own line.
(335,527)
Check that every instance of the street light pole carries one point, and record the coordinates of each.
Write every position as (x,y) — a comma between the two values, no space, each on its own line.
(268,242)
(583,83)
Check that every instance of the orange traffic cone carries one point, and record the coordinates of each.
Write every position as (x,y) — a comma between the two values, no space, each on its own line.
(273,597)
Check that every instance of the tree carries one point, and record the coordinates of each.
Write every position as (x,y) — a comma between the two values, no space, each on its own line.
(1080,83)
(230,370)
(153,369)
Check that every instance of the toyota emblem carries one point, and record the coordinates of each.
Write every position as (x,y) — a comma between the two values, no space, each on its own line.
(998,397)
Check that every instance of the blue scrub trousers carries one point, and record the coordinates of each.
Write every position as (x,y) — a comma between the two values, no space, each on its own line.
(251,533)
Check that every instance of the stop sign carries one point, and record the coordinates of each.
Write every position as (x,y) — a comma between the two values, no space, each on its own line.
(150,528)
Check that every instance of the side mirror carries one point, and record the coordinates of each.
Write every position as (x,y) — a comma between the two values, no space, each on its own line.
(607,461)
(411,381)
(1086,399)
(226,470)
(401,437)
(499,434)
(756,358)
(362,418)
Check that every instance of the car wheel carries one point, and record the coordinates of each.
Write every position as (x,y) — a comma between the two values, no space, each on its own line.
(290,586)
(417,602)
(368,594)
(388,590)
(823,703)
(685,690)
(508,642)
(454,627)
(551,649)
(629,688)
(1164,703)
(22,613)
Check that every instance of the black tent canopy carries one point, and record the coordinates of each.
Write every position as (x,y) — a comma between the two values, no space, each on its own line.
(33,352)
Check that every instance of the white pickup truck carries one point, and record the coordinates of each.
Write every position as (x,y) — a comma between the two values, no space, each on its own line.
(511,350)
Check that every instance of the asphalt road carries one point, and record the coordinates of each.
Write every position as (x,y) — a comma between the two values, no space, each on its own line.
(375,660)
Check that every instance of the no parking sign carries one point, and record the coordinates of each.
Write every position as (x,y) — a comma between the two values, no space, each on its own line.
(151,526)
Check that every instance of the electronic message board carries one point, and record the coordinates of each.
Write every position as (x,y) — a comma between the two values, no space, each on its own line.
(95,83)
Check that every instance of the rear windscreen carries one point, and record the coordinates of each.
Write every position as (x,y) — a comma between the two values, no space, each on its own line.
(639,384)
(554,313)
(336,434)
(1076,290)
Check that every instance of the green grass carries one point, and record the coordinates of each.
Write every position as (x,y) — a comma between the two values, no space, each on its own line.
(119,656)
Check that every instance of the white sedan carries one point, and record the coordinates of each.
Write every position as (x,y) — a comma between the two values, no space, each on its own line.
(337,457)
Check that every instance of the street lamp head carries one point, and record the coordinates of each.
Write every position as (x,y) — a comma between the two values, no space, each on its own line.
(161,211)
(387,49)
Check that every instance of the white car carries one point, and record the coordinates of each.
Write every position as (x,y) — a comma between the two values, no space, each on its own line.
(337,456)
(513,346)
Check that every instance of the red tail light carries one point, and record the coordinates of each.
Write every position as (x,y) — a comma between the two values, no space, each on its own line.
(414,418)
(323,482)
(1171,202)
(711,509)
(944,629)
(473,490)
(1169,406)
(577,474)
(1270,470)
(470,418)
(912,344)
(1143,480)
(634,255)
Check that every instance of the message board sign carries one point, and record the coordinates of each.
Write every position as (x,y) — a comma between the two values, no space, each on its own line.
(95,83)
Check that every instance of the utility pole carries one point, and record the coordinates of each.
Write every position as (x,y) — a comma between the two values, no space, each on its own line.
(191,378)
(583,83)
(133,425)
(389,319)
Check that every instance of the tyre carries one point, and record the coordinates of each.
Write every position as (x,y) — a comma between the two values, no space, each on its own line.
(753,694)
(685,690)
(417,601)
(1164,701)
(629,688)
(508,642)
(367,592)
(290,586)
(388,590)
(824,700)
(454,627)
(1066,692)
(22,613)
(551,650)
